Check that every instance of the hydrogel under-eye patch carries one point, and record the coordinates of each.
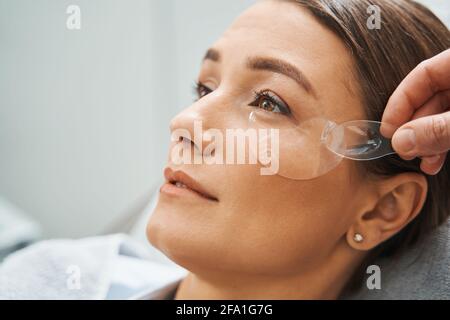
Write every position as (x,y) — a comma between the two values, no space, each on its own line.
(312,148)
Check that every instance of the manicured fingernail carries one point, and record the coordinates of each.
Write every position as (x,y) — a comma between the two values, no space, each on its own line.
(405,140)
(432,159)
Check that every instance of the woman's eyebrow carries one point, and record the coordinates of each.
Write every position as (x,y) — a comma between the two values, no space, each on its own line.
(212,54)
(270,64)
(282,67)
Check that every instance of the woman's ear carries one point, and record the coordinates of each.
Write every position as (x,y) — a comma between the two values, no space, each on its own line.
(397,202)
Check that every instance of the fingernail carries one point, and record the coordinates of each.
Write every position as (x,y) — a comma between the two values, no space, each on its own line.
(432,159)
(405,140)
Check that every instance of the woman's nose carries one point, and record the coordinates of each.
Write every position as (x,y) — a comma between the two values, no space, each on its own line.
(192,123)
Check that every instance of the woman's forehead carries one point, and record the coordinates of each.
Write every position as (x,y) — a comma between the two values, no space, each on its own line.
(288,28)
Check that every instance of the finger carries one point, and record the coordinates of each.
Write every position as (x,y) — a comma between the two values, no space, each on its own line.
(433,164)
(424,136)
(439,103)
(428,78)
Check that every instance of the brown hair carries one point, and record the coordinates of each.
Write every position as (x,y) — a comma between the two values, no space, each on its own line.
(409,34)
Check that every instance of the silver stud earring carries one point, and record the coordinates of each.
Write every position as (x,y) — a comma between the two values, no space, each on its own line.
(358,237)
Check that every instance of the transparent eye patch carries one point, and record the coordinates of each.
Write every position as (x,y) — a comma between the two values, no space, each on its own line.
(314,147)
(280,145)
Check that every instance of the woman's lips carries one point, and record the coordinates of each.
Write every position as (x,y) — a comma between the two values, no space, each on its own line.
(179,183)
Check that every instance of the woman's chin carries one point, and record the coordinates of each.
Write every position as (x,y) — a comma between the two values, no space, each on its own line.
(175,239)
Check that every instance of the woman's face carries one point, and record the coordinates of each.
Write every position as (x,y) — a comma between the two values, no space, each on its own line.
(264,224)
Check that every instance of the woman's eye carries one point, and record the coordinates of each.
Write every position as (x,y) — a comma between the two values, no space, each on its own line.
(263,99)
(201,90)
(269,102)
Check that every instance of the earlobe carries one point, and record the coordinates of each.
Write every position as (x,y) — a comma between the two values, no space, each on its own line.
(358,238)
(363,238)
(400,199)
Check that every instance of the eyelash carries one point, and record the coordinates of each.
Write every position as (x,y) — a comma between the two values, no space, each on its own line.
(201,90)
(198,87)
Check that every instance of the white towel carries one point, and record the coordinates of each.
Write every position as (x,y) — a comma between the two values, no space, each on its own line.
(106,267)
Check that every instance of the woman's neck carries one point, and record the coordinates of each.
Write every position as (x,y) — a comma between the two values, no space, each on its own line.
(324,282)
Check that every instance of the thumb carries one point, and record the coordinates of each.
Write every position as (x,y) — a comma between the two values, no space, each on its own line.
(425,136)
